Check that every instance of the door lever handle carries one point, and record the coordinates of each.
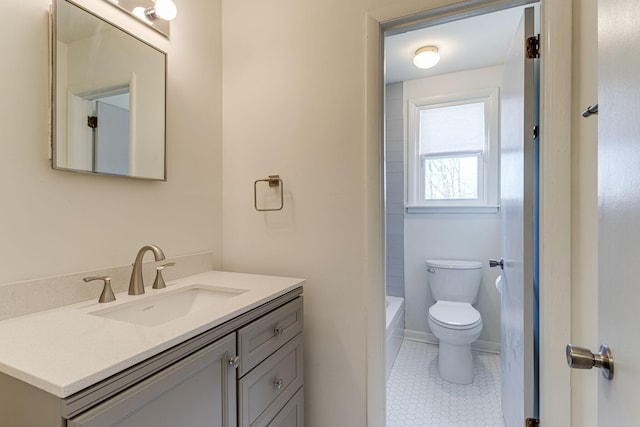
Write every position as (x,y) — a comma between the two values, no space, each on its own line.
(583,358)
(496,263)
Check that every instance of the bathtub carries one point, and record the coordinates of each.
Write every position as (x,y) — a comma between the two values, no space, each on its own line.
(395,329)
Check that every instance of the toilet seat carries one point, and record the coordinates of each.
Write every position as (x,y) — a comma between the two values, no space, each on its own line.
(454,315)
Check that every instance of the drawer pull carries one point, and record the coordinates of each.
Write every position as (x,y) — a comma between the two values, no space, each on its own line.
(234,361)
(279,330)
(278,383)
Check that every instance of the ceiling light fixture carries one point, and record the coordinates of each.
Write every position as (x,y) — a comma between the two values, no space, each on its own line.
(426,57)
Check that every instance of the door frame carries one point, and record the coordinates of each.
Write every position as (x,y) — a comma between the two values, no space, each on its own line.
(555,194)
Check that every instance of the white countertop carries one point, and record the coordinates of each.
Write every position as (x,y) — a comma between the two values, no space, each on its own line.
(65,350)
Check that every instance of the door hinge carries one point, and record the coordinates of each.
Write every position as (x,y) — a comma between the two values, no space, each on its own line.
(92,121)
(533,47)
(532,422)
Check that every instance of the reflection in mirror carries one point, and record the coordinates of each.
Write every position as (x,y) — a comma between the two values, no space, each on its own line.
(109,98)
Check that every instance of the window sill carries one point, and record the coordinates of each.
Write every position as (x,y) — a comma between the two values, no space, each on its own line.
(483,209)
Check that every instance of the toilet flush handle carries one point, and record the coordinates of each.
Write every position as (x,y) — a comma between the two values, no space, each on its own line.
(431,270)
(497,263)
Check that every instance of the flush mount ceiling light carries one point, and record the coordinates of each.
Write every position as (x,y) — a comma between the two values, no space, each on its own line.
(426,57)
(156,14)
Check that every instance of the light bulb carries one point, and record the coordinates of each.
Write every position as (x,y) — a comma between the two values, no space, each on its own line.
(165,9)
(141,13)
(426,57)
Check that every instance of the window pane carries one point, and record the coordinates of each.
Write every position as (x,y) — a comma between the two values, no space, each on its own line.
(451,178)
(450,129)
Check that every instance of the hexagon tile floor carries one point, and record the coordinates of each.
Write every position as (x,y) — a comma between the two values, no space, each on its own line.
(418,397)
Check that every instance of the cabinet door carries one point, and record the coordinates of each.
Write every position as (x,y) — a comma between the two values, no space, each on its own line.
(198,391)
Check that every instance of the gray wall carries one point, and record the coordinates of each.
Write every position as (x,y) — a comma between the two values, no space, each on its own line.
(394,190)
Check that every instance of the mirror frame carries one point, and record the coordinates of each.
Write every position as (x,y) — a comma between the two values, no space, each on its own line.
(53,63)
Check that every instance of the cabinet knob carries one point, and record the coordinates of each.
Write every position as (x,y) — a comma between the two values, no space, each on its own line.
(234,361)
(279,330)
(278,383)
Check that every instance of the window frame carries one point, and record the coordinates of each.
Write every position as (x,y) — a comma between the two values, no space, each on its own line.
(488,161)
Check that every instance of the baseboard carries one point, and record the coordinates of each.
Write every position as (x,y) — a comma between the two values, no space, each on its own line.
(428,337)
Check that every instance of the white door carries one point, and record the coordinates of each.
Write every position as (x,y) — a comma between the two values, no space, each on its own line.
(112,139)
(517,217)
(619,208)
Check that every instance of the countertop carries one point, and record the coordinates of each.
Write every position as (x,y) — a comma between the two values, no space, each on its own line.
(65,350)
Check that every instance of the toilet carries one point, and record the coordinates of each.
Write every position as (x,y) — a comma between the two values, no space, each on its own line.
(454,286)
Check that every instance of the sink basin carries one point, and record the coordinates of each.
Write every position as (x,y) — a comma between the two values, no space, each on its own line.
(158,309)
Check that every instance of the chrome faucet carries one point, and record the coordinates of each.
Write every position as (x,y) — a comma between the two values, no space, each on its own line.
(136,285)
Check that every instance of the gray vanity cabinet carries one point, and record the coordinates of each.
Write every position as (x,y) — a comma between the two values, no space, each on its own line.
(198,391)
(246,372)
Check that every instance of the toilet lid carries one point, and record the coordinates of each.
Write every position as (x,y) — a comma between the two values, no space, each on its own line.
(453,264)
(454,315)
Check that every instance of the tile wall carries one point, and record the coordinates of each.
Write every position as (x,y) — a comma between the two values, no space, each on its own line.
(394,191)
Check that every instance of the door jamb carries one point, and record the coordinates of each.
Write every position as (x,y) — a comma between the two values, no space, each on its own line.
(555,204)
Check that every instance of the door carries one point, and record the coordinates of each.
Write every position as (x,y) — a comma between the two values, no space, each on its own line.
(619,207)
(517,167)
(112,139)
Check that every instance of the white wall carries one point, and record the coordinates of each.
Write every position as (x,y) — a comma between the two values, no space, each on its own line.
(56,222)
(293,78)
(451,236)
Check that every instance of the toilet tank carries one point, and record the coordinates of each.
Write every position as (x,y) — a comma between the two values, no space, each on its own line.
(454,280)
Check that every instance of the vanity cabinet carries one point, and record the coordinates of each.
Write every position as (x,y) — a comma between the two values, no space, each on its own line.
(246,372)
(198,391)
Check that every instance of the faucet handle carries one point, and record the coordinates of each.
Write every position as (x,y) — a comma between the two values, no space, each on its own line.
(159,282)
(107,293)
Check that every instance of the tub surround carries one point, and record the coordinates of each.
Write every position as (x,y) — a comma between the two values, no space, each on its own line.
(395,329)
(65,350)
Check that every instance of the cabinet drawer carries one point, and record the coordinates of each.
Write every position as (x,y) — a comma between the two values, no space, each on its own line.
(267,388)
(259,339)
(292,415)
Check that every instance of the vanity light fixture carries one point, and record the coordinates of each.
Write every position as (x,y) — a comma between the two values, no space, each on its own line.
(426,57)
(141,13)
(154,13)
(162,9)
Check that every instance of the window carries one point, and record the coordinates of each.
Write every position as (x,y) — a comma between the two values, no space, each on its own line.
(453,152)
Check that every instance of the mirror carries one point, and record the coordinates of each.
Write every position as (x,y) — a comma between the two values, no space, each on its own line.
(108,98)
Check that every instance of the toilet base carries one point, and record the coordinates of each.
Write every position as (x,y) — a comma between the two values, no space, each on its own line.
(455,363)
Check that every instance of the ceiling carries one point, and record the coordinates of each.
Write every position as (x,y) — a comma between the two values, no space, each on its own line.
(477,42)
